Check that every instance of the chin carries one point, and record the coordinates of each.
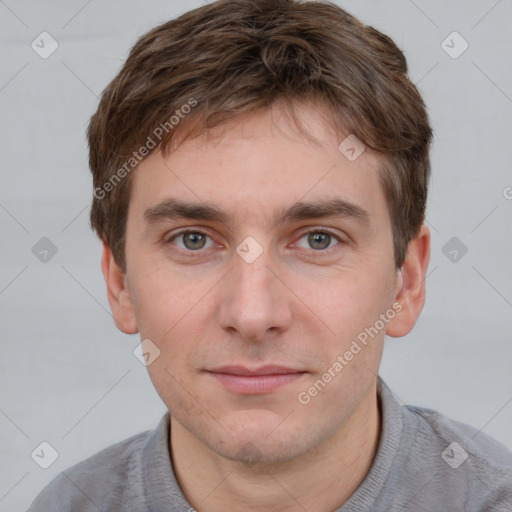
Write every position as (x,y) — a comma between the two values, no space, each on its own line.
(261,446)
(252,453)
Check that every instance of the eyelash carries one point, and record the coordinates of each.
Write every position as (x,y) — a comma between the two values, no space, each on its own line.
(316,252)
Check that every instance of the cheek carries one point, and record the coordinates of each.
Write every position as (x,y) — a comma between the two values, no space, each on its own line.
(350,303)
(175,314)
(352,349)
(165,301)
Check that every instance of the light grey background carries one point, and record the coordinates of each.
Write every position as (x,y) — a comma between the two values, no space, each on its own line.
(70,378)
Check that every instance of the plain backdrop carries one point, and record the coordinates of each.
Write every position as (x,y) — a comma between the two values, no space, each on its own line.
(69,378)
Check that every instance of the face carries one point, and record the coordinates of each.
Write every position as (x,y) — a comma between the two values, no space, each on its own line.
(251,296)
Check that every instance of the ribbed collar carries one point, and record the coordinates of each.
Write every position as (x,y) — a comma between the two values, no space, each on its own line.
(391,432)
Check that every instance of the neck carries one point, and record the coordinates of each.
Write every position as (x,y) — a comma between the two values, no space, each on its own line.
(322,479)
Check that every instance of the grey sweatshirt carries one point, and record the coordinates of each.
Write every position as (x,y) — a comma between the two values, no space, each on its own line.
(424,462)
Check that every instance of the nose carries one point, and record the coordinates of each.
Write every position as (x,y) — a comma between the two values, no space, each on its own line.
(255,303)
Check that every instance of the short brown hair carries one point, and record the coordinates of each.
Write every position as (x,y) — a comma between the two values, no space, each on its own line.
(231,57)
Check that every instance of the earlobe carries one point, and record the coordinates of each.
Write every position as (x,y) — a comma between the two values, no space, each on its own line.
(118,291)
(410,287)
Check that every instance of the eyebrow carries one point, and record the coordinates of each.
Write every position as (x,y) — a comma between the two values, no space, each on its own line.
(172,208)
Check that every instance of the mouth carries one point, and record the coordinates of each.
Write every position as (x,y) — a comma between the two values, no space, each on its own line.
(255,381)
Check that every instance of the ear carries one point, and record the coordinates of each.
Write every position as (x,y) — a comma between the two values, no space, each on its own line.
(118,293)
(410,289)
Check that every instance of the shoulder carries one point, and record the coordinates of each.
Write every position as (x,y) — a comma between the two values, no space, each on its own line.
(104,481)
(461,456)
(484,450)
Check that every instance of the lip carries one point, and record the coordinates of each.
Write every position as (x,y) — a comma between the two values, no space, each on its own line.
(262,370)
(247,381)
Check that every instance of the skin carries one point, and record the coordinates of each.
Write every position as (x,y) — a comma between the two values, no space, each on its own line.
(298,304)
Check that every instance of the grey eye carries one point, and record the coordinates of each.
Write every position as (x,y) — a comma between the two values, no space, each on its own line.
(190,240)
(319,240)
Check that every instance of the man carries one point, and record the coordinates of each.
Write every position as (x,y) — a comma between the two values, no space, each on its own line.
(260,180)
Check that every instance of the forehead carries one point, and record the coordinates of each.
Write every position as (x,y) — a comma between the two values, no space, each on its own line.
(262,163)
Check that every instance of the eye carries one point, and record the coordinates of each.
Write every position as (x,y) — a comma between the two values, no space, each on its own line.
(319,240)
(191,240)
(194,240)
